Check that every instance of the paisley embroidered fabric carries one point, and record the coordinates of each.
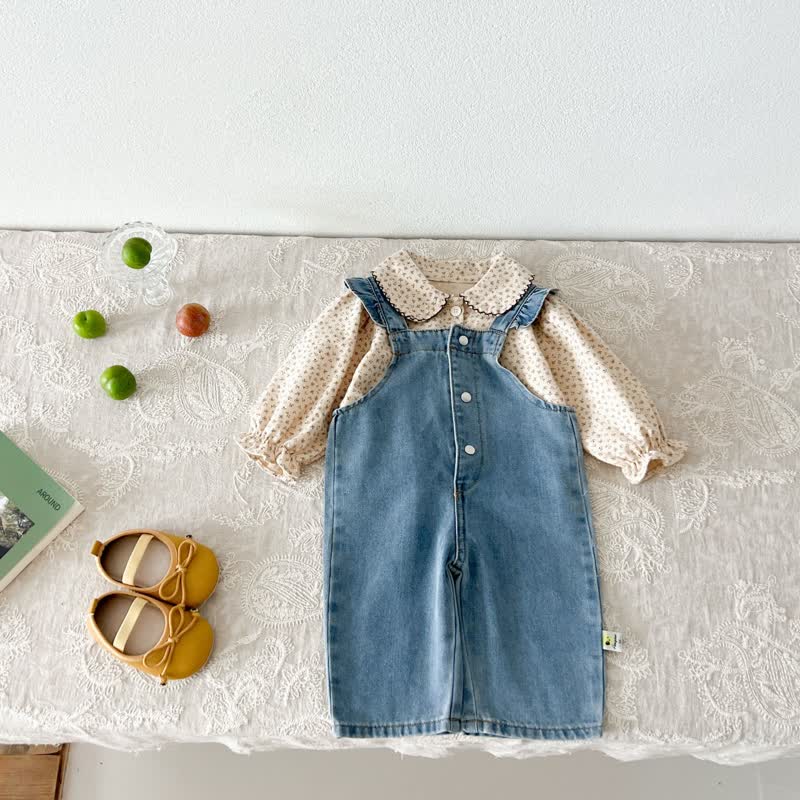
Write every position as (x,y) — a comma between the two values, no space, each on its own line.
(343,354)
(693,564)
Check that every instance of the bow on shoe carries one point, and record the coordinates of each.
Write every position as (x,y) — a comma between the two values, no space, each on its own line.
(179,621)
(174,585)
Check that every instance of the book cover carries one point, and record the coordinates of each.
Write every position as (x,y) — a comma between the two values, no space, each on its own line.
(34,509)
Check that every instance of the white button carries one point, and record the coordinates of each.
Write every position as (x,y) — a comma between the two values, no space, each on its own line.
(456,311)
(463,340)
(466,397)
(469,449)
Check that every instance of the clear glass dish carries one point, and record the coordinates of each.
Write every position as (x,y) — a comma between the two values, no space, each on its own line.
(151,281)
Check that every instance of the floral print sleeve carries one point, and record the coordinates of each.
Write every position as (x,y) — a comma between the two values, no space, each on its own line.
(619,421)
(290,423)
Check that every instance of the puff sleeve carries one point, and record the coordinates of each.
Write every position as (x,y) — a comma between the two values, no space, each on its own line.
(289,426)
(570,364)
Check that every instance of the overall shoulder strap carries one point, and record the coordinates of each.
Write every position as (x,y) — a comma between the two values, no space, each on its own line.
(376,303)
(524,311)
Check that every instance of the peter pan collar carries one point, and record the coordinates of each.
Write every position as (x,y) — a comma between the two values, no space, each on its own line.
(405,278)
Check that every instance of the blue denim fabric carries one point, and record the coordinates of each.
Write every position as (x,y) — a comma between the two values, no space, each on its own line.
(460,591)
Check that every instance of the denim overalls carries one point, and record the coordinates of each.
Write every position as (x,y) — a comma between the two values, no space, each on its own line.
(460,587)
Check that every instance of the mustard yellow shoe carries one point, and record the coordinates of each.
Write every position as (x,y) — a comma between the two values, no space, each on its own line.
(166,641)
(175,569)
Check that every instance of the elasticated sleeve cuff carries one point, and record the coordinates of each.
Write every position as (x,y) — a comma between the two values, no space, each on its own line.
(652,459)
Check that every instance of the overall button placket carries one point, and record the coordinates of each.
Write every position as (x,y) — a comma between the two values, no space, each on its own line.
(466,419)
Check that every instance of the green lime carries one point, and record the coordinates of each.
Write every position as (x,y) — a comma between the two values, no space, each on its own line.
(89,324)
(118,381)
(136,252)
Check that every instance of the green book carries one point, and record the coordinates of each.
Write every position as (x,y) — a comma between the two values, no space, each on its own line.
(34,509)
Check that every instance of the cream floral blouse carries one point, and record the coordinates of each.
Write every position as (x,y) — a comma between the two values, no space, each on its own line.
(560,358)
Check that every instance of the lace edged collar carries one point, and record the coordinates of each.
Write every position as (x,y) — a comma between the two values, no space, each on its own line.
(405,278)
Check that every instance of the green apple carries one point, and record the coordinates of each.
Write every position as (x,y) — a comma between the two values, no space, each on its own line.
(136,252)
(89,324)
(118,381)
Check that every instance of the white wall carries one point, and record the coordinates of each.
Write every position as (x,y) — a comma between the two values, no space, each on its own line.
(556,119)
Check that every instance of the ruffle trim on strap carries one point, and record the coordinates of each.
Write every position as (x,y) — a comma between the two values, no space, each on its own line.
(361,287)
(271,455)
(653,460)
(533,306)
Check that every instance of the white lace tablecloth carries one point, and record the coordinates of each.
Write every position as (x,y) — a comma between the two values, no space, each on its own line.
(699,566)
